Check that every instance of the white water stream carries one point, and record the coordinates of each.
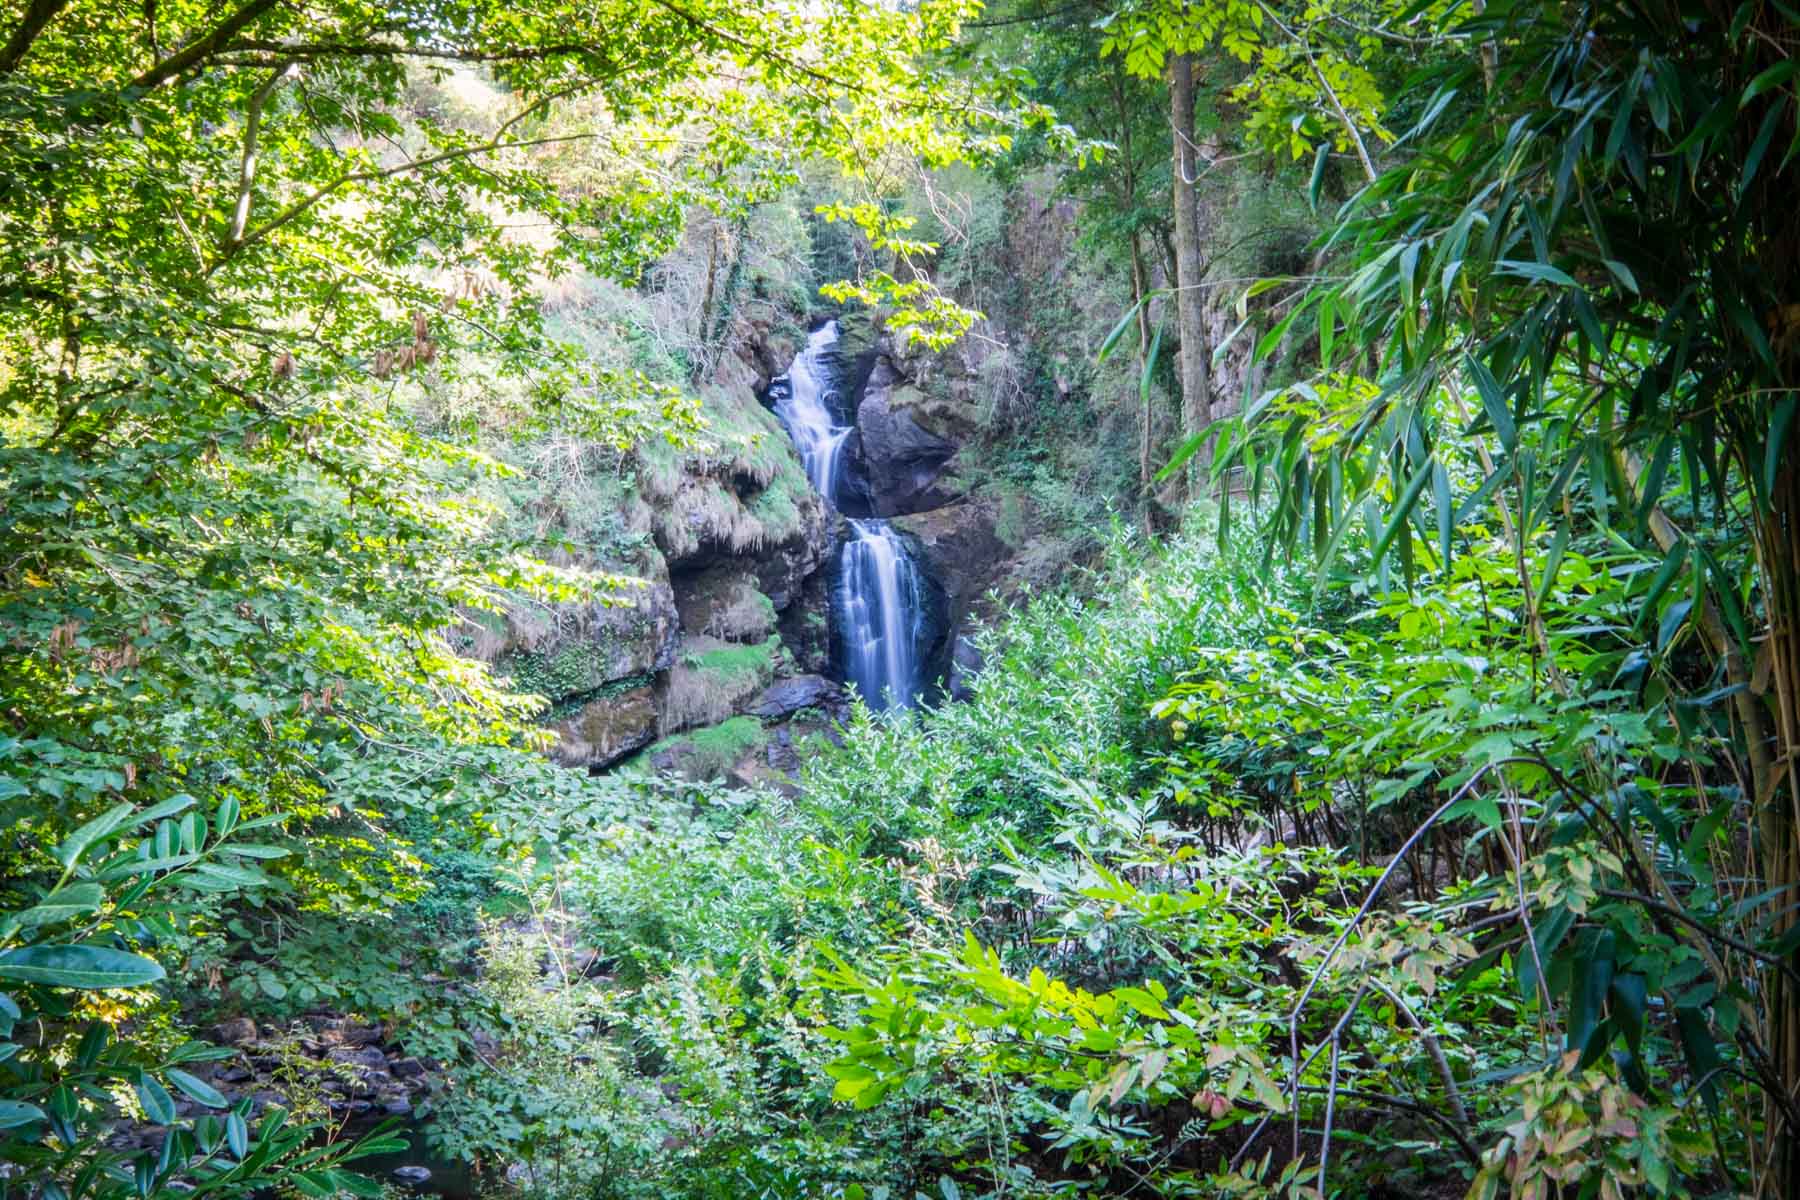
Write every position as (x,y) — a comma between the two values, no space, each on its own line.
(878,595)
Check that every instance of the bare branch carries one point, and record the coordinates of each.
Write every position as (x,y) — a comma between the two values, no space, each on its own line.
(240,216)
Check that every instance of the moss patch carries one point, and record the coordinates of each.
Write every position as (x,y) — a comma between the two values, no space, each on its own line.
(754,659)
(710,752)
(575,670)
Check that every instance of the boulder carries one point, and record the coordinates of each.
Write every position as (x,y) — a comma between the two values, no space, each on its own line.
(408,1068)
(965,663)
(579,649)
(343,1031)
(369,1058)
(606,728)
(787,696)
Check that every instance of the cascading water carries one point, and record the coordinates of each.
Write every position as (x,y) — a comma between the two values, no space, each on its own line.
(878,611)
(878,593)
(803,407)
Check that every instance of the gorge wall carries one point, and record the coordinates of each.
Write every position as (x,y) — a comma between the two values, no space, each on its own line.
(726,654)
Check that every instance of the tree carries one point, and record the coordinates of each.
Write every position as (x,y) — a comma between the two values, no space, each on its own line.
(1579,283)
(229,559)
(1121,180)
(1305,81)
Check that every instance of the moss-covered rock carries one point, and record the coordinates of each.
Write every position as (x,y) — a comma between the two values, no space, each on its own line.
(570,650)
(713,752)
(741,494)
(607,726)
(715,679)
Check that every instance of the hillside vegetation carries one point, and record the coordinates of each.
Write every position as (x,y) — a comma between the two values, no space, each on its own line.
(1342,467)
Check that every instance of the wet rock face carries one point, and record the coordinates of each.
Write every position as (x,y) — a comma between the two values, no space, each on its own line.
(965,663)
(901,459)
(961,552)
(788,696)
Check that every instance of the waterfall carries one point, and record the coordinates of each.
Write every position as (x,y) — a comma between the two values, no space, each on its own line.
(878,610)
(803,407)
(878,597)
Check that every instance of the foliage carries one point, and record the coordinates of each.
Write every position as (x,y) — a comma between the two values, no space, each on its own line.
(1576,287)
(69,959)
(256,261)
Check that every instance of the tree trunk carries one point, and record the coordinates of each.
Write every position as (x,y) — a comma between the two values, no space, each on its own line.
(1777,541)
(1146,407)
(1140,291)
(1190,307)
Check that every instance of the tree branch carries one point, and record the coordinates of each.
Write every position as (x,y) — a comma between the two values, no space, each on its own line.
(311,50)
(240,216)
(314,198)
(37,15)
(199,49)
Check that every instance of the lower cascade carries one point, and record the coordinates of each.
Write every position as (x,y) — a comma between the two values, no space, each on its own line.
(877,600)
(879,607)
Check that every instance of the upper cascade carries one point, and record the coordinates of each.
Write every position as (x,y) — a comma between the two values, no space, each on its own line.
(804,407)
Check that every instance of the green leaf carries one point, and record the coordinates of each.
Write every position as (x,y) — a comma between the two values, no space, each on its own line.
(1665,575)
(227,874)
(1402,509)
(196,1089)
(1672,621)
(1780,422)
(144,866)
(316,1184)
(159,1106)
(85,967)
(255,850)
(1440,486)
(14,1113)
(1541,272)
(167,808)
(1493,402)
(1185,451)
(1701,1051)
(77,843)
(357,1185)
(1553,562)
(1149,370)
(1774,77)
(1118,331)
(1320,159)
(62,904)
